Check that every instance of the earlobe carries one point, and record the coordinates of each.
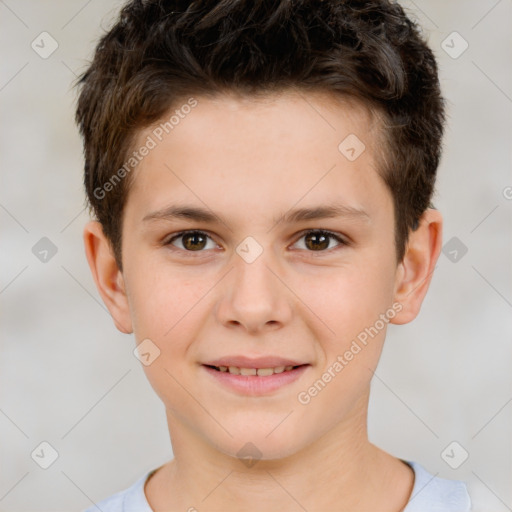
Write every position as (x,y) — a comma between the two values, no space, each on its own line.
(107,276)
(415,271)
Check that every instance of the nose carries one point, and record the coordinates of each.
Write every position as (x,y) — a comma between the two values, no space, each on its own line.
(253,297)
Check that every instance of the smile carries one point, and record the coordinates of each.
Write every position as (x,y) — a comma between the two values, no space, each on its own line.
(254,381)
(260,372)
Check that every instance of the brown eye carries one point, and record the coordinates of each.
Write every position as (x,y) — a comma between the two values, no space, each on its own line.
(318,241)
(194,241)
(191,241)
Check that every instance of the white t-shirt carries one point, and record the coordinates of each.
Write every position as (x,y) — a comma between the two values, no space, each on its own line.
(429,494)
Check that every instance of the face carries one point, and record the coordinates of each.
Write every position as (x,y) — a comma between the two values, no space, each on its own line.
(252,239)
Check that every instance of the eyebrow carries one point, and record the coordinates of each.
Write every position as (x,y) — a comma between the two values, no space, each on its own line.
(198,214)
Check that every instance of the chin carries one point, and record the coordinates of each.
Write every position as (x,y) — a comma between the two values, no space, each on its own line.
(256,444)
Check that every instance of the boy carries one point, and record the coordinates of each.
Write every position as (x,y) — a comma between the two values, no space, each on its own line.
(261,175)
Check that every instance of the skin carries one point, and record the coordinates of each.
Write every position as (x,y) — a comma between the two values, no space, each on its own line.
(251,161)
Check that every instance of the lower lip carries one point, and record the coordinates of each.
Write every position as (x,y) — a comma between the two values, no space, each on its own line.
(252,384)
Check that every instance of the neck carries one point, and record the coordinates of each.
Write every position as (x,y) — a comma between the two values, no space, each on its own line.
(340,471)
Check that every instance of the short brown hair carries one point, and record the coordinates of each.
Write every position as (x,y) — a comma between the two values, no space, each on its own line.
(159,52)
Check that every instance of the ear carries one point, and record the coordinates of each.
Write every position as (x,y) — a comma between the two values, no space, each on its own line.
(415,270)
(107,276)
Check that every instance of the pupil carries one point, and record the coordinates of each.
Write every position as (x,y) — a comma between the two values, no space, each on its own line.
(319,241)
(194,241)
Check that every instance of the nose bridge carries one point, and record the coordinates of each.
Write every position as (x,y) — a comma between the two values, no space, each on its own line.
(255,284)
(253,296)
(254,278)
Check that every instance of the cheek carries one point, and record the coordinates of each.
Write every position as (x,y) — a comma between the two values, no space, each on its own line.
(351,302)
(169,309)
(350,298)
(162,298)
(166,308)
(355,303)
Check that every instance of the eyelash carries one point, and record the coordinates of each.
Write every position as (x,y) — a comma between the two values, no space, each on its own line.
(342,242)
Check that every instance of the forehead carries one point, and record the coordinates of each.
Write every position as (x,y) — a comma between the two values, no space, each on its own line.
(274,149)
(292,111)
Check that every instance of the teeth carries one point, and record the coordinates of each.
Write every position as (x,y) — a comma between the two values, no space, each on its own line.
(264,372)
(261,372)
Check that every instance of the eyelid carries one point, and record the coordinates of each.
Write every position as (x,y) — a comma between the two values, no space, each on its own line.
(341,239)
(167,240)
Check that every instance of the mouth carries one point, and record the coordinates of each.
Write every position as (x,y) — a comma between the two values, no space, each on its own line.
(248,380)
(260,372)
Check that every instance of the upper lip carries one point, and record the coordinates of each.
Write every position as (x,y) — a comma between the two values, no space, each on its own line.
(257,362)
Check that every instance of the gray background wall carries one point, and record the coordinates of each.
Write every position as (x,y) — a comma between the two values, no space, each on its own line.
(69,378)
